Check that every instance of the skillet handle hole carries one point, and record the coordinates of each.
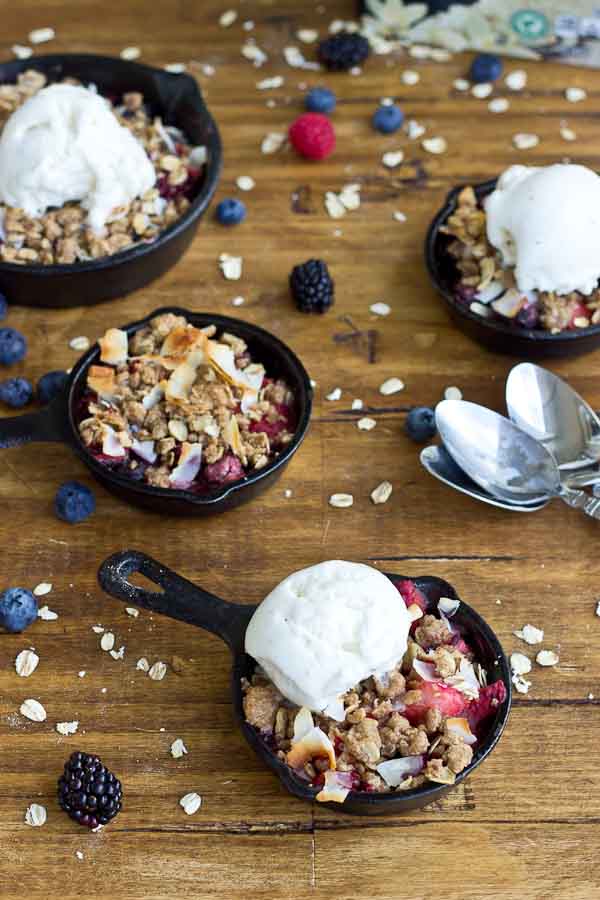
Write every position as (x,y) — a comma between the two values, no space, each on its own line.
(138,580)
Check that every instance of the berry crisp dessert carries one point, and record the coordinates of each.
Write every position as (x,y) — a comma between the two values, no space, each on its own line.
(63,234)
(179,407)
(420,723)
(488,288)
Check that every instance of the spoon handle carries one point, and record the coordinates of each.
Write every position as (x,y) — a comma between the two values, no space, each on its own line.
(592,507)
(574,499)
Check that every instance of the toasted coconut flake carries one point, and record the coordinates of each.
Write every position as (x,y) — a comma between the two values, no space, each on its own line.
(114,347)
(111,446)
(415,612)
(492,291)
(188,467)
(180,381)
(427,671)
(465,680)
(520,664)
(530,634)
(448,606)
(180,341)
(303,723)
(336,787)
(509,304)
(66,728)
(460,728)
(154,397)
(101,380)
(145,449)
(442,776)
(191,803)
(394,771)
(231,435)
(314,743)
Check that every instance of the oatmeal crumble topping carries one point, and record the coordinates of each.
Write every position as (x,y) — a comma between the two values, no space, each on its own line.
(62,235)
(180,407)
(419,723)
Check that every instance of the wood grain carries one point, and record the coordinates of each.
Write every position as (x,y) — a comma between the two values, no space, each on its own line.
(526,824)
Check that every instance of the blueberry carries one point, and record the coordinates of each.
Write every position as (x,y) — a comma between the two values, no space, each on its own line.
(13,346)
(321,100)
(529,316)
(15,392)
(485,67)
(388,119)
(18,609)
(74,502)
(3,306)
(231,211)
(420,424)
(49,385)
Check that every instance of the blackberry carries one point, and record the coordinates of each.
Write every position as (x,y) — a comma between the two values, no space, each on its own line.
(343,51)
(88,792)
(312,286)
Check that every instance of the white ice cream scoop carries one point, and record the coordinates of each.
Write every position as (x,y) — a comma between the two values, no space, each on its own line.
(546,223)
(325,628)
(65,143)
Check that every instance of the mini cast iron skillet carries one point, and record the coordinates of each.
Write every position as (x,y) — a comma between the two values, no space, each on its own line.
(494,333)
(57,422)
(180,599)
(177,99)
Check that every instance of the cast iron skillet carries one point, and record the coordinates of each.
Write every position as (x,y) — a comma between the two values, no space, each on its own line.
(57,422)
(180,599)
(494,333)
(178,100)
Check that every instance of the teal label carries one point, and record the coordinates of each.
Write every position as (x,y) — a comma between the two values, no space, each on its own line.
(530,24)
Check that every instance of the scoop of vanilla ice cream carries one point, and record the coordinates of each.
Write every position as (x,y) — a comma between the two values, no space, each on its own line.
(65,143)
(325,628)
(546,223)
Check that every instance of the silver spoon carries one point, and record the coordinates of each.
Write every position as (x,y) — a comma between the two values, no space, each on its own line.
(548,409)
(502,458)
(440,464)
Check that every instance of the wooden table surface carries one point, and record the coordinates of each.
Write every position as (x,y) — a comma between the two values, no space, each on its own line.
(526,824)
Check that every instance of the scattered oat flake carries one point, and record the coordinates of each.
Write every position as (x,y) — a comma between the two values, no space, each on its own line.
(41,35)
(67,728)
(341,501)
(132,611)
(272,142)
(516,80)
(575,94)
(530,634)
(107,641)
(357,404)
(82,673)
(435,145)
(178,749)
(461,84)
(380,308)
(452,393)
(366,424)
(295,58)
(118,654)
(79,855)
(47,614)
(130,53)
(482,90)
(524,141)
(33,709)
(498,105)
(392,158)
(382,493)
(334,206)
(268,84)
(227,18)
(157,671)
(520,664)
(287,493)
(252,52)
(245,182)
(238,301)
(175,68)
(398,216)
(335,394)
(142,664)
(231,266)
(21,51)
(79,343)
(191,803)
(26,663)
(35,815)
(567,134)
(391,386)
(43,588)
(98,629)
(349,196)
(307,35)
(547,658)
(410,77)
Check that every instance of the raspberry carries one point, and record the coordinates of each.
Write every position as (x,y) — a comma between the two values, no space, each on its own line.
(448,700)
(486,705)
(312,135)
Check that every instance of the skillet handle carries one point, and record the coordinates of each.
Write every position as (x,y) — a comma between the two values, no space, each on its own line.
(178,597)
(46,425)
